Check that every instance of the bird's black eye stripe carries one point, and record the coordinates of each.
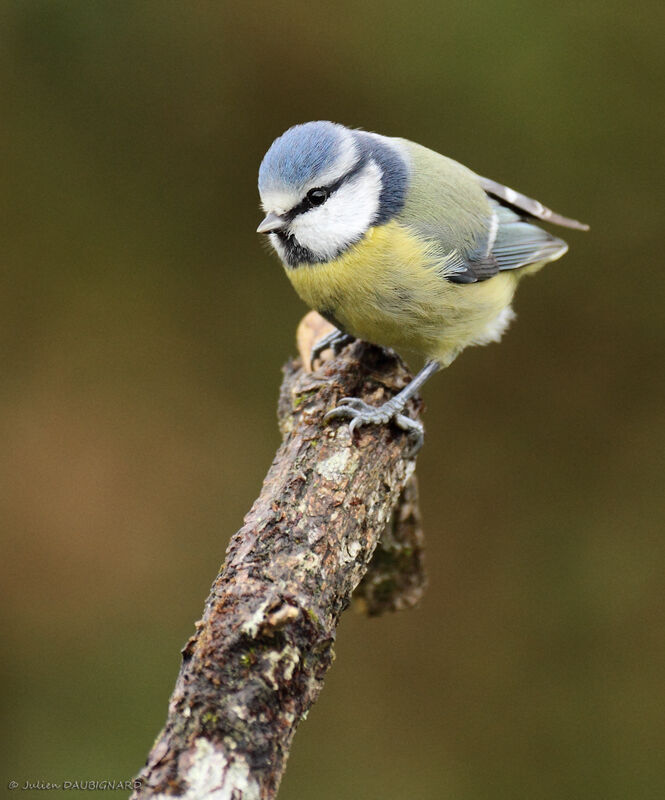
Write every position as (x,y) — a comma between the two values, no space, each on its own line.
(317,197)
(306,203)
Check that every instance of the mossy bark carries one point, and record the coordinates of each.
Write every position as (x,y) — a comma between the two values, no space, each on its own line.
(258,657)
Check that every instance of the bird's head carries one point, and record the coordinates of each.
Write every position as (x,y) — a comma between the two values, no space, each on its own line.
(322,186)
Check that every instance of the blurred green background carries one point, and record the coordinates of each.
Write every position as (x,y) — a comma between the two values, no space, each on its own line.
(144,326)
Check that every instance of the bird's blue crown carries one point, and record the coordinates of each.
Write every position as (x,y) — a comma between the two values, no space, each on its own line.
(300,154)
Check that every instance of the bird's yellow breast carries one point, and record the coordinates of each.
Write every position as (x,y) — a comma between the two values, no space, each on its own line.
(389,289)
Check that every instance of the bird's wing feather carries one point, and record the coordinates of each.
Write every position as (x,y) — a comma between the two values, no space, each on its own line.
(516,243)
(520,202)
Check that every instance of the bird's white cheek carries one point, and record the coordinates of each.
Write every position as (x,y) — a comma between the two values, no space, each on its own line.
(277,244)
(343,218)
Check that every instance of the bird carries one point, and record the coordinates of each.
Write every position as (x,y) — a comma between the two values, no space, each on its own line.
(400,246)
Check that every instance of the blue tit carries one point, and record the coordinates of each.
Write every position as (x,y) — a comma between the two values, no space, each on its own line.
(400,246)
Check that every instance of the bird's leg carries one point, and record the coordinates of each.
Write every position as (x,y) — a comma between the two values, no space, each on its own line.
(361,413)
(335,340)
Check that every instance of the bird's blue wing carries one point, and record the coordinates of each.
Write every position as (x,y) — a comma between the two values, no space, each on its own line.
(511,242)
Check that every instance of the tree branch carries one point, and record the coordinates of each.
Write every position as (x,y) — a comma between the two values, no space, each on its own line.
(257,660)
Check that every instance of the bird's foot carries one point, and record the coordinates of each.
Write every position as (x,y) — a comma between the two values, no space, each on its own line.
(360,413)
(335,340)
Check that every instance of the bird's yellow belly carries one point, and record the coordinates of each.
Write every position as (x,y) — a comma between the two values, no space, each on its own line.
(388,289)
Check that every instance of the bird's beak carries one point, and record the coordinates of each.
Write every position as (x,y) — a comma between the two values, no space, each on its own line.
(272,222)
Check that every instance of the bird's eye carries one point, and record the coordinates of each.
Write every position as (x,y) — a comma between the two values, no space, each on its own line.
(317,196)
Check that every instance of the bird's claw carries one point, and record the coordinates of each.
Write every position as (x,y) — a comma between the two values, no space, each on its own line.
(360,413)
(335,340)
(415,431)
